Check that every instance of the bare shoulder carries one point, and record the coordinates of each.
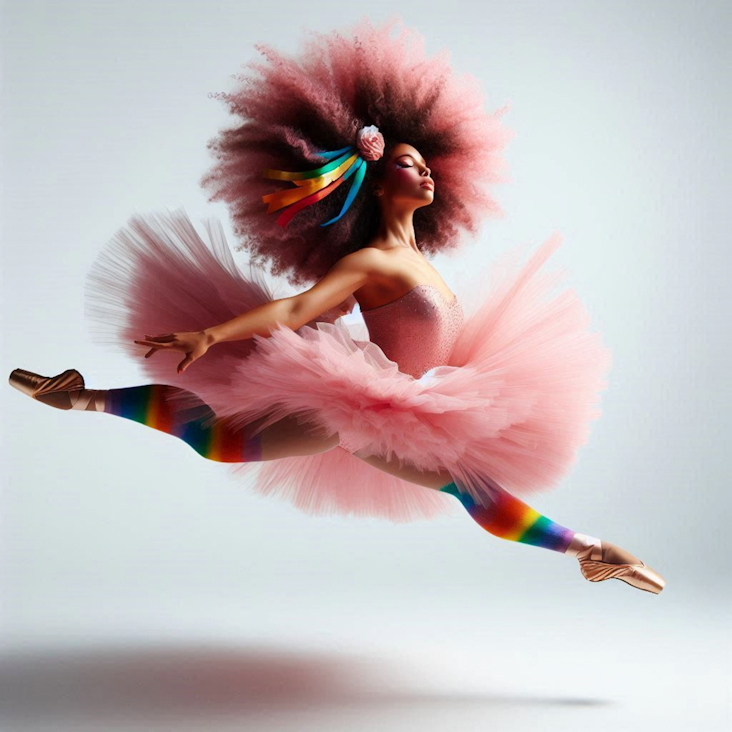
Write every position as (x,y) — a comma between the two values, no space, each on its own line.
(368,260)
(365,255)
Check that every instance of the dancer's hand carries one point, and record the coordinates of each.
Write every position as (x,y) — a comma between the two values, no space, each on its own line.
(194,344)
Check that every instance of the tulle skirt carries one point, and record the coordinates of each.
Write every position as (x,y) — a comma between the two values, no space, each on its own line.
(512,406)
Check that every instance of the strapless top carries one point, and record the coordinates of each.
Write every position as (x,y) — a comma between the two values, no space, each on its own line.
(417,330)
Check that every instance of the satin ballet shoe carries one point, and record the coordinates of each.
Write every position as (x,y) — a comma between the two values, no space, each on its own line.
(63,391)
(588,550)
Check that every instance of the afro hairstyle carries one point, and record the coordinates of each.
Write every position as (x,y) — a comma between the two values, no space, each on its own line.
(291,108)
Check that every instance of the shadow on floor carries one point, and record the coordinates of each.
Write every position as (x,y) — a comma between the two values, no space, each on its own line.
(193,681)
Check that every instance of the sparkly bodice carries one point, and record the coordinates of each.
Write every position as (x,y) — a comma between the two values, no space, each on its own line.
(417,330)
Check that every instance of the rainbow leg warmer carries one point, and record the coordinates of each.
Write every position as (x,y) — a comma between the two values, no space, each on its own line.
(147,404)
(509,518)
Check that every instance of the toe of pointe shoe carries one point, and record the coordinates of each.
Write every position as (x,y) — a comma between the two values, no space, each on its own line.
(643,577)
(589,551)
(25,381)
(640,576)
(36,385)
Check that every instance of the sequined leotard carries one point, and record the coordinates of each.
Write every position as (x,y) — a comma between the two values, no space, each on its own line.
(417,330)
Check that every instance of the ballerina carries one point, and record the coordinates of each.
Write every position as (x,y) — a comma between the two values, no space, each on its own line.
(484,407)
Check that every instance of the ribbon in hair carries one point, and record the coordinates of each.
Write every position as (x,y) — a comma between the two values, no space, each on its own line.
(314,185)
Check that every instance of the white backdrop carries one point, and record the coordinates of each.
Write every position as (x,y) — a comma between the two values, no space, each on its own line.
(172,592)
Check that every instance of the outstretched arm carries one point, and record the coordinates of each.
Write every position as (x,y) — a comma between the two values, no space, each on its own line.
(342,280)
(344,277)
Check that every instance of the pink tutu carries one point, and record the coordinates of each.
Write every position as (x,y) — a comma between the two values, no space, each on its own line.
(512,404)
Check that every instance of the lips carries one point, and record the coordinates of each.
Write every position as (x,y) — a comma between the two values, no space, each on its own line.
(427,184)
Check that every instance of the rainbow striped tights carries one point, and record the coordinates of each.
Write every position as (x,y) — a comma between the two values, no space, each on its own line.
(506,517)
(148,405)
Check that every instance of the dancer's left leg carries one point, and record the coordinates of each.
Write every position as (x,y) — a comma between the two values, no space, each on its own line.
(504,516)
(510,518)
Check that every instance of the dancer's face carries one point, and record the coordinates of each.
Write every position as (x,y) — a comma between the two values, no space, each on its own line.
(406,179)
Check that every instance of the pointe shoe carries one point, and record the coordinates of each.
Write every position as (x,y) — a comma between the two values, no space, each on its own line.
(63,391)
(588,550)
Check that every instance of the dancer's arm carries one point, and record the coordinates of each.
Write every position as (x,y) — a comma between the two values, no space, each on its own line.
(341,281)
(330,316)
(344,277)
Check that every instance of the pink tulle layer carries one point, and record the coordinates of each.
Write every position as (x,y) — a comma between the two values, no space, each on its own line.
(513,405)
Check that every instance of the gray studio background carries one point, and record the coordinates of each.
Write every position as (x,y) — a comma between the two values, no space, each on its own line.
(144,588)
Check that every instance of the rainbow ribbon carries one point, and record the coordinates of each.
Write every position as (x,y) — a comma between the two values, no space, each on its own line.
(314,185)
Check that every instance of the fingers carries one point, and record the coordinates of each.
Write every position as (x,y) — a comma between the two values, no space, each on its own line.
(183,365)
(162,341)
(168,341)
(164,338)
(155,344)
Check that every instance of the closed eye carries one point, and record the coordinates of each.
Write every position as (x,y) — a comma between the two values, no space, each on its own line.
(410,162)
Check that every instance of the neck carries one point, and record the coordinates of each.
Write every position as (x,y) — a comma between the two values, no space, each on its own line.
(396,228)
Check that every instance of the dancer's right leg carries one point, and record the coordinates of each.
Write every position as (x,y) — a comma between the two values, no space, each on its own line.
(151,405)
(504,516)
(219,440)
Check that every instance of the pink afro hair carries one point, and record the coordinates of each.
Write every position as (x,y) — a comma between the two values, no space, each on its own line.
(291,108)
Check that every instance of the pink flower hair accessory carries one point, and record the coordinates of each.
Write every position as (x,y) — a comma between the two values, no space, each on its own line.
(370,143)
